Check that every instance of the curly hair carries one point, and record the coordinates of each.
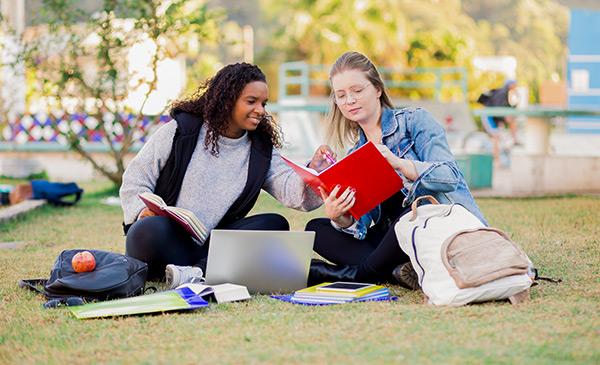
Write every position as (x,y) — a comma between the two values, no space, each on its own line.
(215,99)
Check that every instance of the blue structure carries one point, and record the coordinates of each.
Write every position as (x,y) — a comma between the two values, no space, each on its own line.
(583,69)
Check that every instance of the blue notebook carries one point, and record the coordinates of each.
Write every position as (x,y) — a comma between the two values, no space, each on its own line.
(288,298)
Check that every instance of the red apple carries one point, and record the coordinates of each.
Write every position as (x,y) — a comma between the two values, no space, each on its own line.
(83,261)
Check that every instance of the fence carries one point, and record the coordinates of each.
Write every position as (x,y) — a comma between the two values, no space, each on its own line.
(44,132)
(296,79)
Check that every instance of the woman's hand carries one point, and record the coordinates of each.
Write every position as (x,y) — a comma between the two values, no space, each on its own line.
(146,213)
(323,158)
(406,167)
(336,208)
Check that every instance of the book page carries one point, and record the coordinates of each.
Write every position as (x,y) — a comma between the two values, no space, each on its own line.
(154,203)
(199,289)
(153,198)
(198,228)
(222,293)
(186,218)
(295,166)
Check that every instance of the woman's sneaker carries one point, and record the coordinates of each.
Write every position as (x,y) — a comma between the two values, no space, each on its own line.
(406,276)
(176,275)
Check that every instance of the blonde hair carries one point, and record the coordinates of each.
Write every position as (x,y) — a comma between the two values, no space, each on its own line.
(341,130)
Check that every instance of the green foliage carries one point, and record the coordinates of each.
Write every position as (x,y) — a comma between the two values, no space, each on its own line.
(39,176)
(42,175)
(319,31)
(407,34)
(533,31)
(77,61)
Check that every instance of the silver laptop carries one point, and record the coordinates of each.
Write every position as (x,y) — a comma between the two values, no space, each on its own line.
(263,261)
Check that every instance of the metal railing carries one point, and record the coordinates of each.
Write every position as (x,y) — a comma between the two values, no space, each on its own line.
(297,78)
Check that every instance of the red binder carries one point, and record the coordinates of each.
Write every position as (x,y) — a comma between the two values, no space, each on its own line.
(365,169)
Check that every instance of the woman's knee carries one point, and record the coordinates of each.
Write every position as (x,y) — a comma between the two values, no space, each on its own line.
(145,237)
(276,222)
(262,222)
(317,224)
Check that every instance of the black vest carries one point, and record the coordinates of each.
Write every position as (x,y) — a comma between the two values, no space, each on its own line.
(171,176)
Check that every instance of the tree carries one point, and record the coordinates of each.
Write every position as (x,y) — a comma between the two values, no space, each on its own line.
(533,31)
(78,62)
(411,33)
(318,31)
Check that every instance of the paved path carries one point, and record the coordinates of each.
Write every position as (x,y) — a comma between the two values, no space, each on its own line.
(11,245)
(18,209)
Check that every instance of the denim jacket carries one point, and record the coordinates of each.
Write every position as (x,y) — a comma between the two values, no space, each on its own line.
(413,134)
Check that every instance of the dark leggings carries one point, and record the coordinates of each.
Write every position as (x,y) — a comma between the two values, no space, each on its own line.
(376,256)
(159,241)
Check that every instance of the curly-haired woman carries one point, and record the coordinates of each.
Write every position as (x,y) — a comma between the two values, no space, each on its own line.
(213,159)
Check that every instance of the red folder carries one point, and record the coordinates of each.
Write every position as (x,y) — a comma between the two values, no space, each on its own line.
(365,169)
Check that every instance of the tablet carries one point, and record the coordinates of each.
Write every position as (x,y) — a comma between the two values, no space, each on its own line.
(343,286)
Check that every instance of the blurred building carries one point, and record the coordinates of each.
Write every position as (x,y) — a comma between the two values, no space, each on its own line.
(583,68)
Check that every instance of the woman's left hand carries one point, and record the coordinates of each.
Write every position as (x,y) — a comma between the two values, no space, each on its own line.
(404,166)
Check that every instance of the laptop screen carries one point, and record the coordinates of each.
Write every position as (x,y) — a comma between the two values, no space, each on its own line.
(263,261)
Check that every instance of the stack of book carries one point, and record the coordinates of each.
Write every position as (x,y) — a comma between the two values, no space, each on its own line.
(340,292)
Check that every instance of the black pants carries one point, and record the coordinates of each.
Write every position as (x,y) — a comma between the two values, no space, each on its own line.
(159,241)
(376,256)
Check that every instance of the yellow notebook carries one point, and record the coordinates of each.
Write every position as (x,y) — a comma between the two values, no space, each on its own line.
(319,290)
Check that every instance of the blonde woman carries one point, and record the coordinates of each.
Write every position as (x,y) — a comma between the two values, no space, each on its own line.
(414,144)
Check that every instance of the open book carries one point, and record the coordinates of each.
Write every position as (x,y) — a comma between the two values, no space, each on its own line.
(365,169)
(221,293)
(186,218)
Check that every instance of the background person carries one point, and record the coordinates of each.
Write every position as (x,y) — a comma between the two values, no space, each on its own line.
(506,96)
(414,144)
(213,159)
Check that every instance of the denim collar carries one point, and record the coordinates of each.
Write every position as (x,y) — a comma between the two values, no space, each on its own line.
(388,125)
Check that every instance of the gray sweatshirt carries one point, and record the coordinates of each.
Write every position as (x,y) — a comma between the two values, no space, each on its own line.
(211,184)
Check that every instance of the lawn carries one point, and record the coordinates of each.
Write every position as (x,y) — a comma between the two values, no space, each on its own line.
(560,324)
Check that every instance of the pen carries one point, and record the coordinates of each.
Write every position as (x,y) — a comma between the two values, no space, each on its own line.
(328,157)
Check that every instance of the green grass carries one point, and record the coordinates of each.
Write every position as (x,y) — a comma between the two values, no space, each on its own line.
(560,325)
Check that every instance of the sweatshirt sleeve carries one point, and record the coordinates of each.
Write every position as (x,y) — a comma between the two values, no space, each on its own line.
(288,187)
(143,171)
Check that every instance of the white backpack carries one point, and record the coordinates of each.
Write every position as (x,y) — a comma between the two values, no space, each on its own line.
(458,259)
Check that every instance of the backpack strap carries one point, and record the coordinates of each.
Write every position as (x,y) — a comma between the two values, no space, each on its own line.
(33,285)
(415,203)
(65,203)
(545,278)
(53,300)
(168,184)
(185,140)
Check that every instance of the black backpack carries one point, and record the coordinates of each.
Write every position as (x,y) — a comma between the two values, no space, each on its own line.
(115,276)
